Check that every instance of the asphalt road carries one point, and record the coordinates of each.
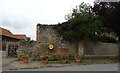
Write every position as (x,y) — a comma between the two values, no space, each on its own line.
(92,67)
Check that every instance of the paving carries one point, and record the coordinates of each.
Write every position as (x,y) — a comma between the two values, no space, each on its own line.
(12,64)
(7,61)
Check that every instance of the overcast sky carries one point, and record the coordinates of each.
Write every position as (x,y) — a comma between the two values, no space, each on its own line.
(22,16)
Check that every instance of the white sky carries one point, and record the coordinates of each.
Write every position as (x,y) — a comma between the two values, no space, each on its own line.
(22,16)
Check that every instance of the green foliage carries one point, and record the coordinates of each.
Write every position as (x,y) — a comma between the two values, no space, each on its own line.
(77,57)
(44,58)
(51,58)
(107,39)
(21,55)
(36,59)
(112,40)
(71,58)
(64,58)
(81,24)
(26,57)
(110,11)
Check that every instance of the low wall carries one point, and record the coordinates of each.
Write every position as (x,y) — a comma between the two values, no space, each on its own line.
(101,49)
(83,48)
(37,48)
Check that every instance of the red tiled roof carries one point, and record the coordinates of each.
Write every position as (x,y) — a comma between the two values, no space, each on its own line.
(20,36)
(6,32)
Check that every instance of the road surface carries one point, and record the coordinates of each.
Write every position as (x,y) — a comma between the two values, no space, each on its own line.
(92,67)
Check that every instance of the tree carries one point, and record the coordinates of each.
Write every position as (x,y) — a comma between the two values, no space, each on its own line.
(111,13)
(80,24)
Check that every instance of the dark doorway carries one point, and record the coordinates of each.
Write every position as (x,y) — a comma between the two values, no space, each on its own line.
(12,50)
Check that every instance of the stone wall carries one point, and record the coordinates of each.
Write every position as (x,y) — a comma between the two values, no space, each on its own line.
(101,49)
(36,48)
(46,34)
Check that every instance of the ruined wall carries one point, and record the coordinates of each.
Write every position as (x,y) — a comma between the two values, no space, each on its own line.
(47,34)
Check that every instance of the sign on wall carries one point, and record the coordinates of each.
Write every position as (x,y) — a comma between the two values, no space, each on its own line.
(51,46)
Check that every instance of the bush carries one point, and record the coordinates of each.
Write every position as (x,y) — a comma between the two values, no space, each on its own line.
(107,39)
(112,40)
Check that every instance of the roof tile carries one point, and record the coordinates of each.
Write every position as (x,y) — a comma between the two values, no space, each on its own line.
(6,32)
